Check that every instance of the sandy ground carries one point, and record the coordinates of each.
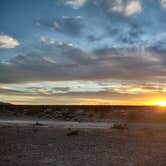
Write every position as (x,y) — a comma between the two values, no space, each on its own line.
(50,146)
(55,123)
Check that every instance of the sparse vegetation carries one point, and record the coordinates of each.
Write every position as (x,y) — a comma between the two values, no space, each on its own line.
(86,113)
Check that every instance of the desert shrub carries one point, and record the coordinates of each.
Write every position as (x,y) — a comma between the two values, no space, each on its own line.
(121,126)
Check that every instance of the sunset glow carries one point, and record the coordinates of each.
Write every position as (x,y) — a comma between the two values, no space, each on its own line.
(161,103)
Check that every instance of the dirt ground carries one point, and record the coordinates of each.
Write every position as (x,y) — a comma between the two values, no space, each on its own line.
(48,146)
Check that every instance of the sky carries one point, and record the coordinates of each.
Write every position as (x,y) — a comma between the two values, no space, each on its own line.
(83,51)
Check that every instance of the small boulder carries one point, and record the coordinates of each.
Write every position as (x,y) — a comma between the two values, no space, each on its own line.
(72,132)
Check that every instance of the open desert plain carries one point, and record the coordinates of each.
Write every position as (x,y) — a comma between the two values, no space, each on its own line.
(82,136)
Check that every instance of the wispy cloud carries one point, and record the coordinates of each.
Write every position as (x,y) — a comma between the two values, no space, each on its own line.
(75,3)
(67,25)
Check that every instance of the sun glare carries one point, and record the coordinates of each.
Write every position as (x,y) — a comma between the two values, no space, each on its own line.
(161,103)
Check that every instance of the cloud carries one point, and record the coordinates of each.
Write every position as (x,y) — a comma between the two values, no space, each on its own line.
(67,25)
(79,91)
(61,89)
(133,7)
(163,3)
(114,94)
(118,40)
(122,32)
(75,3)
(82,87)
(121,23)
(127,8)
(125,45)
(8,42)
(58,61)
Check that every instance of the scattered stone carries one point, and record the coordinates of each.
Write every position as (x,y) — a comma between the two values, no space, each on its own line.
(39,124)
(121,126)
(72,132)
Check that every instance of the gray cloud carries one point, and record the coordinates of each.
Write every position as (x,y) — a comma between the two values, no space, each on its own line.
(61,61)
(107,94)
(7,91)
(62,89)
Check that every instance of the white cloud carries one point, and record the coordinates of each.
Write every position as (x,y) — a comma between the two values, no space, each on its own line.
(130,8)
(117,6)
(8,42)
(133,7)
(75,3)
(163,3)
(46,40)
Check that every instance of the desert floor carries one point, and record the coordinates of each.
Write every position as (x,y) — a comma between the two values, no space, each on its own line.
(38,145)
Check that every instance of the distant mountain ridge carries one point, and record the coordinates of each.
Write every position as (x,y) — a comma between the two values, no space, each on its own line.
(3,103)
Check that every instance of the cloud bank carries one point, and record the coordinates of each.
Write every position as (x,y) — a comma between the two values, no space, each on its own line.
(56,61)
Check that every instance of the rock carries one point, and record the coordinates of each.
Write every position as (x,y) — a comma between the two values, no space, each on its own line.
(72,132)
(121,126)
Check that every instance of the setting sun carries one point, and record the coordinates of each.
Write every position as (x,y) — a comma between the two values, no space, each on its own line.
(161,103)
